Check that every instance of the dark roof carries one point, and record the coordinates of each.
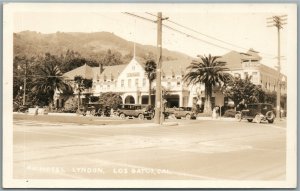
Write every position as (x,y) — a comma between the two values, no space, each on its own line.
(233,60)
(175,66)
(108,71)
(84,71)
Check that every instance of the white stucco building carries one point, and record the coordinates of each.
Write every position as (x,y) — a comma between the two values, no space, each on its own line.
(130,80)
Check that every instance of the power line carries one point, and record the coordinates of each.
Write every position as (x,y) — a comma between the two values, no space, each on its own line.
(193,37)
(140,17)
(208,36)
(188,28)
(178,31)
(42,76)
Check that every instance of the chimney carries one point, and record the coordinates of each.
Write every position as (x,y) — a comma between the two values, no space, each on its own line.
(101,68)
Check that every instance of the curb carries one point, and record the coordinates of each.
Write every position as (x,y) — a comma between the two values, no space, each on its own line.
(217,119)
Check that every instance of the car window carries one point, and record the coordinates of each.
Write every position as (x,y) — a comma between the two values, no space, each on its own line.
(252,106)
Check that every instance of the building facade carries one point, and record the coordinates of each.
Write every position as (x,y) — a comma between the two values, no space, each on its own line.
(130,80)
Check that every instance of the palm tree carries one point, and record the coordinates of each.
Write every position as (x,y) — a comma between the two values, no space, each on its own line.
(81,85)
(48,81)
(150,69)
(210,72)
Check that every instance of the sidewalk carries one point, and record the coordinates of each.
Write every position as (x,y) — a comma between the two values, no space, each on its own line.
(217,119)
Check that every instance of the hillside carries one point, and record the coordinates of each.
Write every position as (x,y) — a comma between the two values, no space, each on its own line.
(87,44)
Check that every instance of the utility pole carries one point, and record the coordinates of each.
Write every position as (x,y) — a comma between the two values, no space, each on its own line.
(278,21)
(25,82)
(158,95)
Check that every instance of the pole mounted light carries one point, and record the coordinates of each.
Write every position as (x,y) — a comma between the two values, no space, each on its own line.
(278,22)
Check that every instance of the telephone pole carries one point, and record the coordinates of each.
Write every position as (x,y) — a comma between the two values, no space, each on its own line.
(25,83)
(278,22)
(158,95)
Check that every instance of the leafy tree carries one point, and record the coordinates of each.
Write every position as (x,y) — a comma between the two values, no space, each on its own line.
(48,80)
(111,58)
(81,84)
(23,67)
(208,71)
(243,90)
(110,99)
(150,69)
(71,104)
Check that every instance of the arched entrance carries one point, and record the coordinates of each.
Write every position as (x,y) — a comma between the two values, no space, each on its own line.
(129,100)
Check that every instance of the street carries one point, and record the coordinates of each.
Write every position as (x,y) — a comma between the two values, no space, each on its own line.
(132,149)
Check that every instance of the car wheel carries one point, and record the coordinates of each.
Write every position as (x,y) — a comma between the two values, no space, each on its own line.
(122,115)
(257,118)
(270,116)
(238,117)
(271,121)
(93,112)
(141,116)
(250,120)
(188,116)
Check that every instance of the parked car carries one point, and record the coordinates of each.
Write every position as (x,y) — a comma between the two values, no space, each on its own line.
(230,113)
(136,110)
(94,109)
(186,112)
(257,112)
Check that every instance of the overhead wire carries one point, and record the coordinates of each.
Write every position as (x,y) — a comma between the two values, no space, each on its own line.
(209,36)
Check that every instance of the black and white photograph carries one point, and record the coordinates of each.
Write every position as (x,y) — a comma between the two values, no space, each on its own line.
(130,95)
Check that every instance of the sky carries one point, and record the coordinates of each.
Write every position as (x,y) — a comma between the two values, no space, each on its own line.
(240,27)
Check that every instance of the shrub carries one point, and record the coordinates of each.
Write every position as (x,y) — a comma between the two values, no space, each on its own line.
(71,105)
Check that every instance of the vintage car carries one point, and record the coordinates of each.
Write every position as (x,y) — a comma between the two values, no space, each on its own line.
(257,112)
(181,112)
(94,109)
(135,110)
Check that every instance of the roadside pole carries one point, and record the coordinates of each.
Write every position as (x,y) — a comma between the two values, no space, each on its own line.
(278,21)
(158,101)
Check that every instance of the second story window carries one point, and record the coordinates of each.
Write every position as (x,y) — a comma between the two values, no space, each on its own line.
(144,81)
(136,82)
(129,83)
(122,83)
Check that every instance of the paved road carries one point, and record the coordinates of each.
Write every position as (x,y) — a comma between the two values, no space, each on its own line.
(193,150)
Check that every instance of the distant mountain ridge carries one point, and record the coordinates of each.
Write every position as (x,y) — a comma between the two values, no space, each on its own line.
(32,43)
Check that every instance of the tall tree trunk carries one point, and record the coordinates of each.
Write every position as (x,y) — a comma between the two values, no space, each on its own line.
(78,99)
(207,104)
(149,99)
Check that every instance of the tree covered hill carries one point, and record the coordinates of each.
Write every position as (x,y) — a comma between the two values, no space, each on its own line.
(88,45)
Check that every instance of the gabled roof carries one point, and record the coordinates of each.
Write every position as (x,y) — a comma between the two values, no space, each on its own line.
(233,60)
(251,55)
(177,67)
(84,71)
(108,71)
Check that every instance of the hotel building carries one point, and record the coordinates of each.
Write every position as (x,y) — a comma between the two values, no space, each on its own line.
(130,80)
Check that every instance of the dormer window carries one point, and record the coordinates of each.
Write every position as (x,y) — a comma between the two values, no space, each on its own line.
(104,78)
(173,74)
